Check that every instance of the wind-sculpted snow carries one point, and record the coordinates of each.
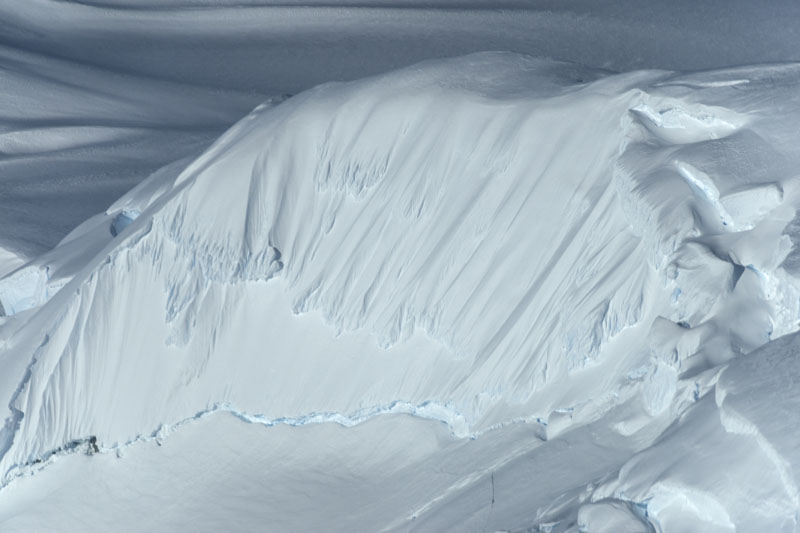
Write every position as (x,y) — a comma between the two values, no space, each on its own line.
(487,241)
(73,139)
(729,464)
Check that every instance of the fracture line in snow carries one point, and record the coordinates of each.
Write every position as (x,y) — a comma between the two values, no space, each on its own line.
(90,445)
(428,410)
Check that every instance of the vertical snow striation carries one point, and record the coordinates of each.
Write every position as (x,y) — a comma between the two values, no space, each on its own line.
(481,241)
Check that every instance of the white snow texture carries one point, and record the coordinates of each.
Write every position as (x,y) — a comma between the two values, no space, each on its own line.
(484,293)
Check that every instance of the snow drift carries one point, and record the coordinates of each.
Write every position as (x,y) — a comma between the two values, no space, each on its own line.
(490,242)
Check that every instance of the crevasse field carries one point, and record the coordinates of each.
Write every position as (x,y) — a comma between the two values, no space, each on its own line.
(391,266)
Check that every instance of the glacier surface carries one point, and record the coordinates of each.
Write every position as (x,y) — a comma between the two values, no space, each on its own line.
(492,292)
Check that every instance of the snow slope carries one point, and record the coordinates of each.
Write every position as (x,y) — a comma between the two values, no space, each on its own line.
(555,262)
(74,138)
(284,46)
(97,94)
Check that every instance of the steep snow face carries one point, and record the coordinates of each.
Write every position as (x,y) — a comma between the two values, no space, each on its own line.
(486,241)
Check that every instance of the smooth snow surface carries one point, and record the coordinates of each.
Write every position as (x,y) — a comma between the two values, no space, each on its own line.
(74,138)
(492,292)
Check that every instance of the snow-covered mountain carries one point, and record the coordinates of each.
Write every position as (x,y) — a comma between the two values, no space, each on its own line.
(489,293)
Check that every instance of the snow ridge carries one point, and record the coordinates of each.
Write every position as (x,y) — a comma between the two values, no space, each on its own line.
(535,249)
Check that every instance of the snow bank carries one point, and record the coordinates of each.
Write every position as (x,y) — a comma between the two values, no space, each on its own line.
(730,463)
